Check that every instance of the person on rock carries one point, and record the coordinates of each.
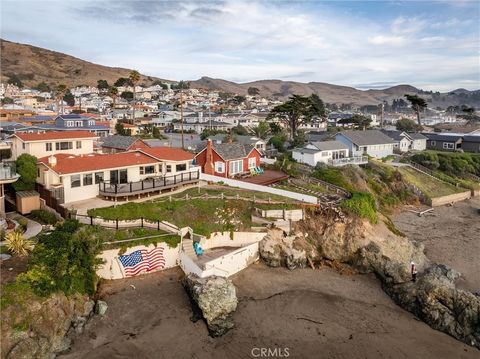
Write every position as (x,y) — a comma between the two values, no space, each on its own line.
(413,269)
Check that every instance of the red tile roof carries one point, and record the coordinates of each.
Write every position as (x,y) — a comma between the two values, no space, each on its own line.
(54,135)
(168,153)
(95,162)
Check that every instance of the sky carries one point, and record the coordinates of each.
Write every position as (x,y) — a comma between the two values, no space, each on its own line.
(433,45)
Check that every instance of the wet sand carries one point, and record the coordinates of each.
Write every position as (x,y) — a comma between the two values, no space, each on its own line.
(314,313)
(451,235)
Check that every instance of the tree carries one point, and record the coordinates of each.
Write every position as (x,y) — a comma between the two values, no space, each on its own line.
(262,130)
(43,87)
(127,95)
(27,169)
(18,244)
(275,128)
(156,132)
(299,139)
(69,98)
(407,125)
(297,111)
(7,100)
(357,121)
(15,80)
(253,91)
(60,92)
(418,104)
(134,78)
(469,115)
(113,93)
(102,85)
(121,130)
(240,130)
(238,99)
(122,81)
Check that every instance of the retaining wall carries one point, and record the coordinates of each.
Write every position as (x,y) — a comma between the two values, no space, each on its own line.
(456,197)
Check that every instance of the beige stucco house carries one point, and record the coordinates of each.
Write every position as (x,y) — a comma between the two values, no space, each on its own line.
(48,143)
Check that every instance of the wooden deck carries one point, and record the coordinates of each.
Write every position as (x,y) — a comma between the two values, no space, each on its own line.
(266,178)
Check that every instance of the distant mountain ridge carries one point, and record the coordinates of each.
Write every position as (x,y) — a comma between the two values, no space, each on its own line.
(34,65)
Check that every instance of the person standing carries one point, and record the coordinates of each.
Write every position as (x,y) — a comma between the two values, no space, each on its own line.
(413,269)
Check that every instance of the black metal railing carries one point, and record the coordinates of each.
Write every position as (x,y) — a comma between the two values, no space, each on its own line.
(152,183)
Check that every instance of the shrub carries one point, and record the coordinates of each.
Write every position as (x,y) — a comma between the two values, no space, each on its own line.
(18,244)
(27,169)
(23,223)
(363,205)
(43,216)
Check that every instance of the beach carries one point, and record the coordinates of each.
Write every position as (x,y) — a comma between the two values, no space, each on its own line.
(305,313)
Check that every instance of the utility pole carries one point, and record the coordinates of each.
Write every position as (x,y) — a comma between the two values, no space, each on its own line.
(210,114)
(181,117)
(381,118)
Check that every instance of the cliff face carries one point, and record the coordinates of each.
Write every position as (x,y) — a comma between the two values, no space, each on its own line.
(39,329)
(329,235)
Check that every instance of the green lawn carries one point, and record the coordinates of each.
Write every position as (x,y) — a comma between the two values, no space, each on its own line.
(428,185)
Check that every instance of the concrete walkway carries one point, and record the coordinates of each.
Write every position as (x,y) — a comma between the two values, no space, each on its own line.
(33,228)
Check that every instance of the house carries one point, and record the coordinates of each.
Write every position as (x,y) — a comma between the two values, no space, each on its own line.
(444,141)
(407,141)
(369,142)
(75,122)
(227,159)
(74,178)
(47,143)
(471,143)
(117,143)
(256,142)
(418,142)
(200,126)
(320,152)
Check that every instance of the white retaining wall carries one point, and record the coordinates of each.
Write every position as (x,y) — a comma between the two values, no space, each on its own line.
(223,239)
(255,187)
(234,262)
(290,214)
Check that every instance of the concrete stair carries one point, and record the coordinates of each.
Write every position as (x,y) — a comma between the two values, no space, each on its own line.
(187,247)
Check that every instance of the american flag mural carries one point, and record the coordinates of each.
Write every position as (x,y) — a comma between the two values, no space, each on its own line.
(142,260)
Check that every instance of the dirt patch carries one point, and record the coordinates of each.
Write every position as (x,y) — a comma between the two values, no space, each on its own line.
(451,235)
(12,267)
(313,313)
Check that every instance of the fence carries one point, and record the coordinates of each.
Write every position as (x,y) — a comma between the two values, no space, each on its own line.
(331,187)
(53,198)
(431,173)
(255,187)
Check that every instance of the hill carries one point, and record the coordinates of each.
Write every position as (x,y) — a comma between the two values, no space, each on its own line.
(340,94)
(34,65)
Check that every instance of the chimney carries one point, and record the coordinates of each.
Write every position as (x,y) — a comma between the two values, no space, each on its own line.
(208,168)
(52,161)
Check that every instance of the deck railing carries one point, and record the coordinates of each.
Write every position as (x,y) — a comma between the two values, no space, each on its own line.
(7,171)
(356,160)
(149,184)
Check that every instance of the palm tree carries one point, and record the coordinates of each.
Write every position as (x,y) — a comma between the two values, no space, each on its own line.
(18,244)
(60,92)
(113,93)
(418,104)
(261,131)
(134,78)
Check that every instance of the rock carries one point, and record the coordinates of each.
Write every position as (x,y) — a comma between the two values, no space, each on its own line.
(79,324)
(88,308)
(101,307)
(216,298)
(278,250)
(435,299)
(25,349)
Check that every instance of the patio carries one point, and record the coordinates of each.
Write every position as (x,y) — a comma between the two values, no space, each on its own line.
(266,178)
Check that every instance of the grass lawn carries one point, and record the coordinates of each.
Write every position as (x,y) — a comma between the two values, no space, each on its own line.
(431,187)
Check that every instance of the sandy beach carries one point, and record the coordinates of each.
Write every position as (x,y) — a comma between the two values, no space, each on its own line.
(451,235)
(312,313)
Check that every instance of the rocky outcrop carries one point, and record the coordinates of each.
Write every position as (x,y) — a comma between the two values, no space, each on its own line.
(280,250)
(42,328)
(435,299)
(215,299)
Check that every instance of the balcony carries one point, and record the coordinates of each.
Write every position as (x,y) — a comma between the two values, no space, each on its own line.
(356,160)
(8,173)
(152,184)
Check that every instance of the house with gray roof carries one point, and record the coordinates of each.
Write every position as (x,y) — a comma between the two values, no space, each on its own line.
(444,141)
(117,143)
(334,153)
(471,143)
(373,143)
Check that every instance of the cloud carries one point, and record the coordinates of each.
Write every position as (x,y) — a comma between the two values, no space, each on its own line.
(390,40)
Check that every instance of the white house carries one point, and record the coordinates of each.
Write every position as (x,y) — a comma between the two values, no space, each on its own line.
(369,142)
(405,141)
(334,153)
(48,143)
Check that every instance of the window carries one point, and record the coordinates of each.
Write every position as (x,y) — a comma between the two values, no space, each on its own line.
(48,146)
(75,181)
(69,123)
(181,167)
(219,167)
(169,168)
(147,170)
(448,145)
(98,177)
(236,167)
(252,162)
(78,123)
(325,154)
(23,145)
(87,179)
(433,143)
(63,146)
(79,144)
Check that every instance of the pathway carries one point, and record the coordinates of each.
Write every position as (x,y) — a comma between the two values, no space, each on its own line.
(33,228)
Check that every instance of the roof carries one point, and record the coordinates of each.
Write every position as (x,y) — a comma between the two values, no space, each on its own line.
(443,136)
(416,136)
(168,153)
(395,134)
(471,138)
(118,142)
(368,137)
(67,164)
(53,135)
(231,151)
(54,127)
(305,150)
(330,145)
(155,142)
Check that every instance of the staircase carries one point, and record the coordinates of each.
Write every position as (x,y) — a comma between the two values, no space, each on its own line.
(187,247)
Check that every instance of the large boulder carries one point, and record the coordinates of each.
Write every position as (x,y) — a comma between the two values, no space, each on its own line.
(435,299)
(216,299)
(280,250)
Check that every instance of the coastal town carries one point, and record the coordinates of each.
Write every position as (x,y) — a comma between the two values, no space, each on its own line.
(145,214)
